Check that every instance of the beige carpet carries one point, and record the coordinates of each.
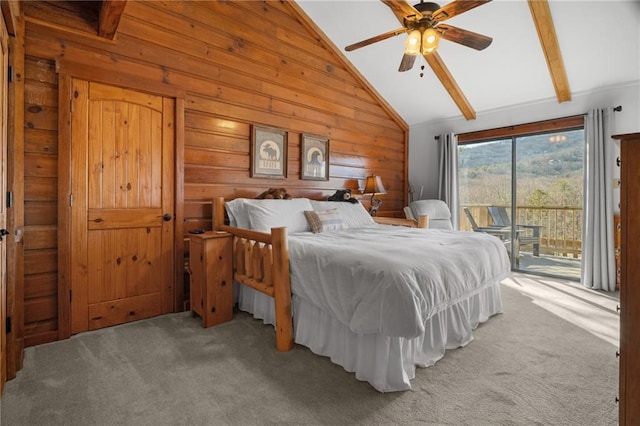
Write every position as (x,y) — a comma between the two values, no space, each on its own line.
(548,360)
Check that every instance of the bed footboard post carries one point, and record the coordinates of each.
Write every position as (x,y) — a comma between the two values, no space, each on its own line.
(218,213)
(282,290)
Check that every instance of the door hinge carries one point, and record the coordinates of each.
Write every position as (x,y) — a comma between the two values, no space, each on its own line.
(71,105)
(9,199)
(70,200)
(10,74)
(8,325)
(70,296)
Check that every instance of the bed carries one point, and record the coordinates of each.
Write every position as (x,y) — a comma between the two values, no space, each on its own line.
(376,299)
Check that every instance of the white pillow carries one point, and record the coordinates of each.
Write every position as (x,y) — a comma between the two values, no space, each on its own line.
(267,214)
(237,212)
(324,220)
(354,215)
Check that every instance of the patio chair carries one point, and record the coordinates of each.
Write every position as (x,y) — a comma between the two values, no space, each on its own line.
(504,233)
(499,231)
(501,218)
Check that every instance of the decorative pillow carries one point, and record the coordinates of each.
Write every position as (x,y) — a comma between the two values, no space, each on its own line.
(267,214)
(324,220)
(353,215)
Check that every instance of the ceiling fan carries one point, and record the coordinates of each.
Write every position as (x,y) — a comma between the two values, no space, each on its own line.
(423,23)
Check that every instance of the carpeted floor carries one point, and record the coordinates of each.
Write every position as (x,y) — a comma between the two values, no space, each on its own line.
(549,359)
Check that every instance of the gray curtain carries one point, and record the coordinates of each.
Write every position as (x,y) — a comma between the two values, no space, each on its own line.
(598,263)
(448,174)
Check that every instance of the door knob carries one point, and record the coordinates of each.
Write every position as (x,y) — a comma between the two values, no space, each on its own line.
(166,217)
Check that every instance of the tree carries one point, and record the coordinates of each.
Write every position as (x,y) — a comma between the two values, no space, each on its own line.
(539,198)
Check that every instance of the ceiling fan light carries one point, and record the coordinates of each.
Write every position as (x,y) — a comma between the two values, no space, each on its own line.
(412,43)
(430,39)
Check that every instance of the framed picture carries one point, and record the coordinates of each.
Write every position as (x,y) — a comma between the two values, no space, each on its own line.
(268,152)
(314,158)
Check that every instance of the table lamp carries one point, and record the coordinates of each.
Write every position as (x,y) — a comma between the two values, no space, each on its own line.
(374,187)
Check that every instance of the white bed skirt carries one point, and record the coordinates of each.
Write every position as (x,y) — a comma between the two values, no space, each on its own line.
(387,363)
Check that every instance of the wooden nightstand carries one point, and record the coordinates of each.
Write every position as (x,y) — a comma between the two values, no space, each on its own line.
(211,268)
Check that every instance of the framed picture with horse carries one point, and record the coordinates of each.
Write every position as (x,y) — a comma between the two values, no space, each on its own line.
(314,158)
(268,152)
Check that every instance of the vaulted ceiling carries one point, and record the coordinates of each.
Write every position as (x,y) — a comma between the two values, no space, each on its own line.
(599,43)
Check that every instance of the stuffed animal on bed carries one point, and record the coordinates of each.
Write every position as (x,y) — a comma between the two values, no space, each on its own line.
(343,195)
(275,193)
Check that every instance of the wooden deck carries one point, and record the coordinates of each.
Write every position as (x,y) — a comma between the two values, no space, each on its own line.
(560,230)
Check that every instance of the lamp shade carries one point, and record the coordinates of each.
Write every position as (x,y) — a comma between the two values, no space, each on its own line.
(374,185)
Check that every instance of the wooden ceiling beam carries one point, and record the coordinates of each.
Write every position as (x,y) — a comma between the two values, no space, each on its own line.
(109,19)
(543,21)
(10,11)
(447,80)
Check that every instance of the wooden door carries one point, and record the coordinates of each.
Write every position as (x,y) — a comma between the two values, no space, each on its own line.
(122,205)
(4,89)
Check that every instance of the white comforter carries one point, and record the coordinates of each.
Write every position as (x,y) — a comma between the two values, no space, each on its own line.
(389,279)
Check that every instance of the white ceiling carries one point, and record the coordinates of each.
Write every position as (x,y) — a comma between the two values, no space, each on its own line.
(599,40)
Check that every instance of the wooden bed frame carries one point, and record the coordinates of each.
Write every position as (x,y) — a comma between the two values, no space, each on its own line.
(261,261)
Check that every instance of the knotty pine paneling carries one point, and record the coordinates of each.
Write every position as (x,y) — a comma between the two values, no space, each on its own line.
(40,237)
(41,285)
(40,200)
(81,15)
(38,141)
(238,63)
(40,213)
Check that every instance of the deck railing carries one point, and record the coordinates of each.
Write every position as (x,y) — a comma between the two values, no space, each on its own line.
(561,232)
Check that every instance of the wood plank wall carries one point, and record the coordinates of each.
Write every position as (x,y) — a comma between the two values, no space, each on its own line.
(40,201)
(239,63)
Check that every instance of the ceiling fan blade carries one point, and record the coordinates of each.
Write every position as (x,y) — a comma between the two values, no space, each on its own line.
(402,10)
(407,62)
(375,39)
(464,37)
(445,77)
(454,8)
(547,34)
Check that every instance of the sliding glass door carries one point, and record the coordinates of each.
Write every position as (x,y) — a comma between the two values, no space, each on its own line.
(485,180)
(527,190)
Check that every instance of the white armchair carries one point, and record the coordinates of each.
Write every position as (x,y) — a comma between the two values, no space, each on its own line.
(437,211)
